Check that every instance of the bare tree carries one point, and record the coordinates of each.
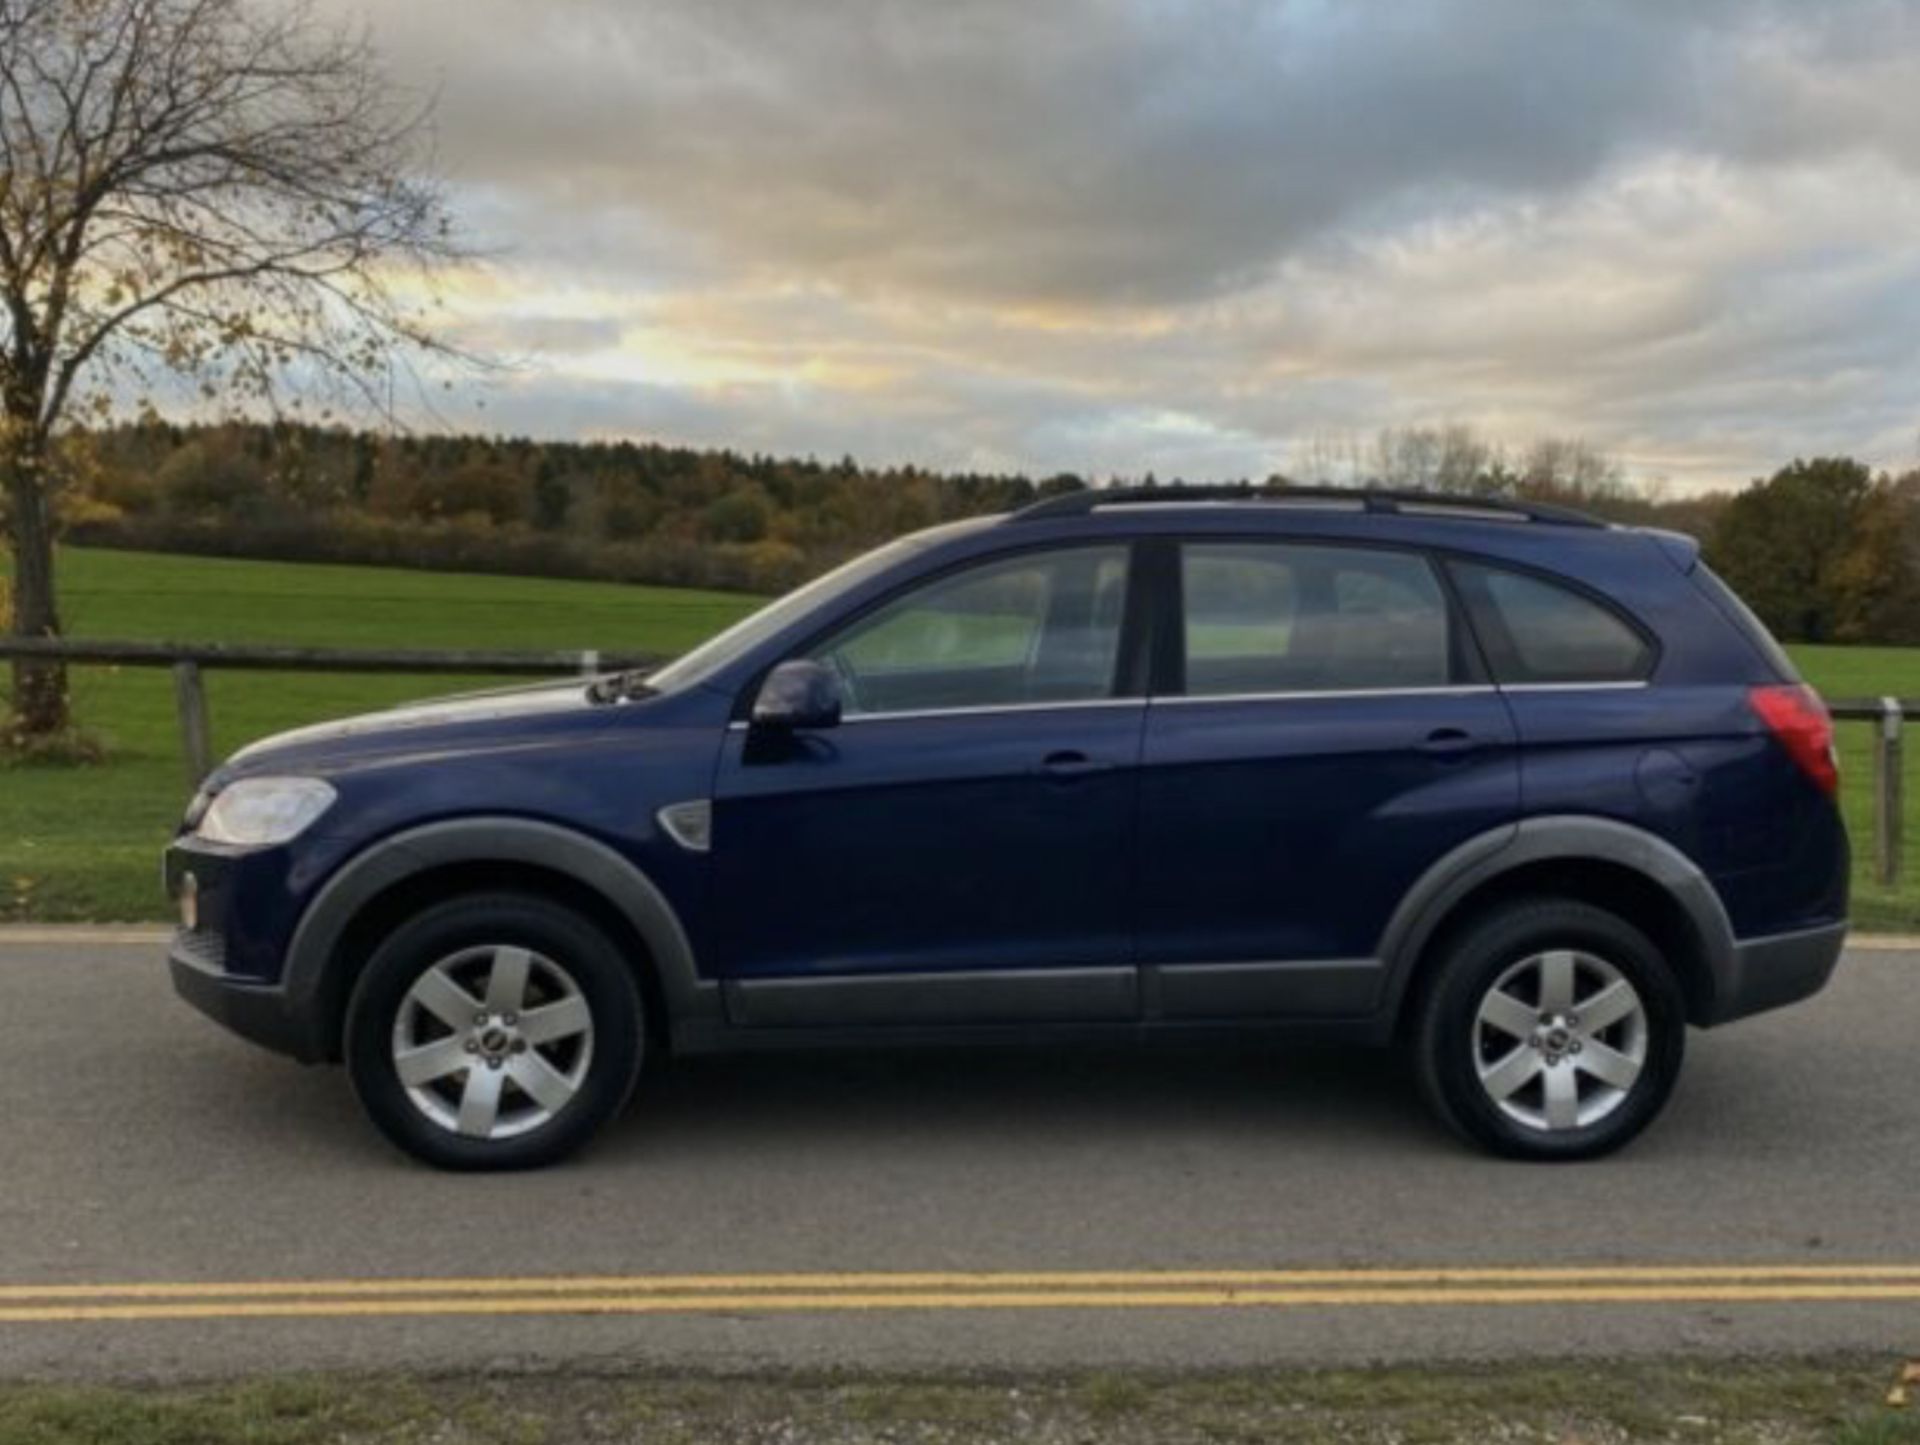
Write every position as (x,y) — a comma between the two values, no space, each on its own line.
(1453,458)
(1571,469)
(1330,459)
(194,194)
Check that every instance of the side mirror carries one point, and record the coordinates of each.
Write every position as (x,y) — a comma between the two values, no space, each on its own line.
(799,693)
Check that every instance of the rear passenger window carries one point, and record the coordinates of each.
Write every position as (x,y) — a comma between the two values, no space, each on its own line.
(1271,617)
(1536,631)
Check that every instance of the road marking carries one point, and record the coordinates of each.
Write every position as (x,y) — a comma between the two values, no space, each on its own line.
(979,1290)
(985,1300)
(967,1280)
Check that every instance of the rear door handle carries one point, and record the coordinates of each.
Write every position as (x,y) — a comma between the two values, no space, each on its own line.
(1449,743)
(1064,766)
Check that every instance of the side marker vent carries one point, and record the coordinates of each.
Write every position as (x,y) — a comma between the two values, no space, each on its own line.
(689,824)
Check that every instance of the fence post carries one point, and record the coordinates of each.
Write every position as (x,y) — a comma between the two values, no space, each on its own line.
(590,662)
(190,697)
(1888,786)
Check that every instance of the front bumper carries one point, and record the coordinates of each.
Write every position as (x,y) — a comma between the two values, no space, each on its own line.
(230,964)
(256,1011)
(1768,973)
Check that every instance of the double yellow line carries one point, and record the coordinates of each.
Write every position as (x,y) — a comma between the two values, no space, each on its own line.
(703,1294)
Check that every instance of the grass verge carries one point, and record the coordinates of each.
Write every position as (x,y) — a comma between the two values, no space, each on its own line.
(1594,1403)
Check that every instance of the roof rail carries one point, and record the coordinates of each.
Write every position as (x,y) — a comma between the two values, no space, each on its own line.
(1371,499)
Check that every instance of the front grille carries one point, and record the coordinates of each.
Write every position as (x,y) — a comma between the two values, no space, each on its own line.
(202,947)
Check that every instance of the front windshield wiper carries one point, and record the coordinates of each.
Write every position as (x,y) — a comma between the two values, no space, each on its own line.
(620,687)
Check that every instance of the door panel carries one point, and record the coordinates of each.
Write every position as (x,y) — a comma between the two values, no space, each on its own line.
(1327,740)
(991,840)
(1289,829)
(970,819)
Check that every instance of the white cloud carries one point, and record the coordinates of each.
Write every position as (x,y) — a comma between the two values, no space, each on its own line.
(1114,235)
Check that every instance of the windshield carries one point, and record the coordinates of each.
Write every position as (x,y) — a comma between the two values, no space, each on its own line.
(741,638)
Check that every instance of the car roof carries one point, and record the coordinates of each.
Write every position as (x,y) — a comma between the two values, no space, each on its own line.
(1368,500)
(1555,539)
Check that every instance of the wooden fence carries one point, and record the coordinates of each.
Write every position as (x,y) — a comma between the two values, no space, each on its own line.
(1888,715)
(189,660)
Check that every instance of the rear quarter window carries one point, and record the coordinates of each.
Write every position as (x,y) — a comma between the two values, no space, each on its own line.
(1539,631)
(1744,618)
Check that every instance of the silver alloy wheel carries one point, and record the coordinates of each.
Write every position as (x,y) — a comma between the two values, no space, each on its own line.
(494,1041)
(1560,1040)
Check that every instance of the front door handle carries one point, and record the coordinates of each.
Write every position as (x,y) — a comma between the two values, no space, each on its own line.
(1449,743)
(1067,765)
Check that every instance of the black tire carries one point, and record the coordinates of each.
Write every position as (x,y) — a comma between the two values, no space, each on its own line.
(1450,1044)
(473,925)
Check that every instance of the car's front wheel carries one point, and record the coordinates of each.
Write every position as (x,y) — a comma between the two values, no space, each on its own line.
(1550,1029)
(494,1031)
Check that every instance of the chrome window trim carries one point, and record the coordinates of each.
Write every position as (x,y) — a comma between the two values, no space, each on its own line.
(1628,685)
(853,718)
(1472,689)
(1010,707)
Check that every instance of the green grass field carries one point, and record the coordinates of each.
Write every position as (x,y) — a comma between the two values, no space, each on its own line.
(1866,672)
(82,842)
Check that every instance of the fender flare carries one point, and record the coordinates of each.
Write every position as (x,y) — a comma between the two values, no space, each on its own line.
(313,962)
(1570,838)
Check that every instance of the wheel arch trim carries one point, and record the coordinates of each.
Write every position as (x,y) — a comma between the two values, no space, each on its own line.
(313,955)
(1489,856)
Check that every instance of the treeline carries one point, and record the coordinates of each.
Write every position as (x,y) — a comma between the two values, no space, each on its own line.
(618,511)
(1825,550)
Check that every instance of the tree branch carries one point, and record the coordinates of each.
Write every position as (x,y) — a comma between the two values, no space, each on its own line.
(240,179)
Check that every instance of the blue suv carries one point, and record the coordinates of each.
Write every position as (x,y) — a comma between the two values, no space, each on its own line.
(1524,793)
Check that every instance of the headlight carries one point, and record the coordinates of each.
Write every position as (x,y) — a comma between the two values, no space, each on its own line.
(256,811)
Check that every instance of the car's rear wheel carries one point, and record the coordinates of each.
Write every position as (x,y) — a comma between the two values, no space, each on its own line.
(1550,1029)
(494,1032)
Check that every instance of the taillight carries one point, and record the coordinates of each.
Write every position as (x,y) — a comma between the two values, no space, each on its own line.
(1798,719)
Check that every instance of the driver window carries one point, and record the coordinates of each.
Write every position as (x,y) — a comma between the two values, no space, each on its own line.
(1043,627)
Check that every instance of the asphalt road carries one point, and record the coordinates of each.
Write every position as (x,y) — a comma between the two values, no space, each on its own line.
(174,1202)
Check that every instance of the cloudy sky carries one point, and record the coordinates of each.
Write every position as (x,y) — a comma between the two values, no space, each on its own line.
(1209,238)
